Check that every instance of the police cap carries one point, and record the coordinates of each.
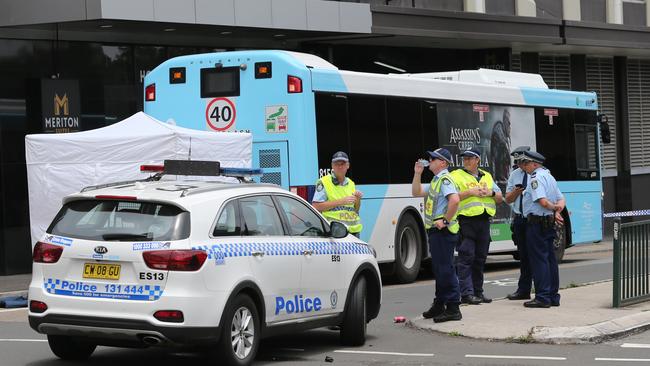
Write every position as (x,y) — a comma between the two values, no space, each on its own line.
(340,156)
(517,153)
(442,154)
(473,152)
(533,156)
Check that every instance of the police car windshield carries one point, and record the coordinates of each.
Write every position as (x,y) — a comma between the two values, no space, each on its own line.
(121,221)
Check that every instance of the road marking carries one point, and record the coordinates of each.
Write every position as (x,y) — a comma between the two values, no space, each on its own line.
(623,359)
(22,340)
(385,353)
(518,357)
(635,345)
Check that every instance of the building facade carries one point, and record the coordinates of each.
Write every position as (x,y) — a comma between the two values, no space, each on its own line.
(104,48)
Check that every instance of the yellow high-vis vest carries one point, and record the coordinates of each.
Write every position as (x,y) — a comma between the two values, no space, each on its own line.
(472,205)
(343,213)
(431,202)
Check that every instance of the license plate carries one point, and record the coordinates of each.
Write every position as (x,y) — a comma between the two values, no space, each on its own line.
(102,271)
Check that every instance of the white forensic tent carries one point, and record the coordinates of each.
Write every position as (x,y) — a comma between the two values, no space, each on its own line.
(61,164)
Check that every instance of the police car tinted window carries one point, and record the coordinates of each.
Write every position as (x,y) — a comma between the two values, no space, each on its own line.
(121,221)
(301,220)
(228,221)
(260,216)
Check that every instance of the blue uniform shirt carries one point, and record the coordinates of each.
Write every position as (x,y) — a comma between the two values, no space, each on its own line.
(516,177)
(541,185)
(320,195)
(447,187)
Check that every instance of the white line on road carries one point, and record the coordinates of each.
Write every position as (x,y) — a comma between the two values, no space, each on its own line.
(22,340)
(386,353)
(518,357)
(623,359)
(635,345)
(11,310)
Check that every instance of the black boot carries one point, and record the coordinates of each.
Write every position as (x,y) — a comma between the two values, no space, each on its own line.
(436,309)
(452,312)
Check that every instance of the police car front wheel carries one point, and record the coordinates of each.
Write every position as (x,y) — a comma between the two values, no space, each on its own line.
(240,336)
(353,328)
(70,348)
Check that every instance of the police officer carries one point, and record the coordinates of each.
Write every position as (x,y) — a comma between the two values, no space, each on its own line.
(542,205)
(336,196)
(441,204)
(517,183)
(479,195)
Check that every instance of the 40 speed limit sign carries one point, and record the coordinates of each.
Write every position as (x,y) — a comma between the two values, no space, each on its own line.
(220,114)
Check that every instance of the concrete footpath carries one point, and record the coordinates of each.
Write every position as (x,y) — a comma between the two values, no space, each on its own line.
(585,315)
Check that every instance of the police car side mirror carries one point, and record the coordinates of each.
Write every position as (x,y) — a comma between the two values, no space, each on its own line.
(338,230)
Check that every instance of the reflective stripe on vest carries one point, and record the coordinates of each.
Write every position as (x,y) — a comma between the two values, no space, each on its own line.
(431,202)
(343,213)
(472,205)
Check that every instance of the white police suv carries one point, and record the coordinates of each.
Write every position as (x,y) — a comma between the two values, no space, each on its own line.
(175,263)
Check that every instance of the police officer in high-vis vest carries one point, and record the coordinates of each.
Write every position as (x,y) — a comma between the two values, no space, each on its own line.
(479,195)
(542,205)
(441,203)
(517,182)
(336,196)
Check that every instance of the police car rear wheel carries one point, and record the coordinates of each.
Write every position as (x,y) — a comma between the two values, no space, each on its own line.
(70,348)
(353,329)
(240,337)
(408,250)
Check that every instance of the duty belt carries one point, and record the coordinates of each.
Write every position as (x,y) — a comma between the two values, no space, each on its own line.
(544,220)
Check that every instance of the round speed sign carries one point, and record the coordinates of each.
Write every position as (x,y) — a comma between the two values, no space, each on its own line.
(220,114)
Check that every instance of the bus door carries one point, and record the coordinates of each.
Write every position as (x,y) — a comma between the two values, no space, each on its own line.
(273,158)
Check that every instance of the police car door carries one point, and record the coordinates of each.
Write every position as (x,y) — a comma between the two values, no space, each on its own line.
(320,280)
(275,261)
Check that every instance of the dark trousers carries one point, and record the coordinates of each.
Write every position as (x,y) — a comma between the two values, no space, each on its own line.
(441,247)
(543,264)
(472,252)
(519,237)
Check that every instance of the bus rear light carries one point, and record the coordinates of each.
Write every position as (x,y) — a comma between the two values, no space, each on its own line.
(150,93)
(152,168)
(37,306)
(46,253)
(294,84)
(175,260)
(304,192)
(171,316)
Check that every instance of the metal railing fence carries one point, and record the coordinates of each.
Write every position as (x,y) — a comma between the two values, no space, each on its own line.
(631,262)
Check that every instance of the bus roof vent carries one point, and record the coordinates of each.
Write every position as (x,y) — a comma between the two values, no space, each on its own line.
(312,61)
(487,76)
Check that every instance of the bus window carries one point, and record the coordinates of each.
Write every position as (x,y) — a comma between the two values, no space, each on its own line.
(586,151)
(368,137)
(220,82)
(565,145)
(404,138)
(331,128)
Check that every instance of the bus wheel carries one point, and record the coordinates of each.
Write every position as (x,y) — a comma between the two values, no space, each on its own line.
(559,244)
(408,250)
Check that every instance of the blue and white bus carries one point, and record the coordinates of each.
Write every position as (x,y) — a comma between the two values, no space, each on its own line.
(301,109)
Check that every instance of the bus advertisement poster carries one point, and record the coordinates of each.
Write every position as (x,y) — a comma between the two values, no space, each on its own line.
(492,129)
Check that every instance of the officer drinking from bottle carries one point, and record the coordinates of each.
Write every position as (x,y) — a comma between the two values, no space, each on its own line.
(441,204)
(543,203)
(517,182)
(479,195)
